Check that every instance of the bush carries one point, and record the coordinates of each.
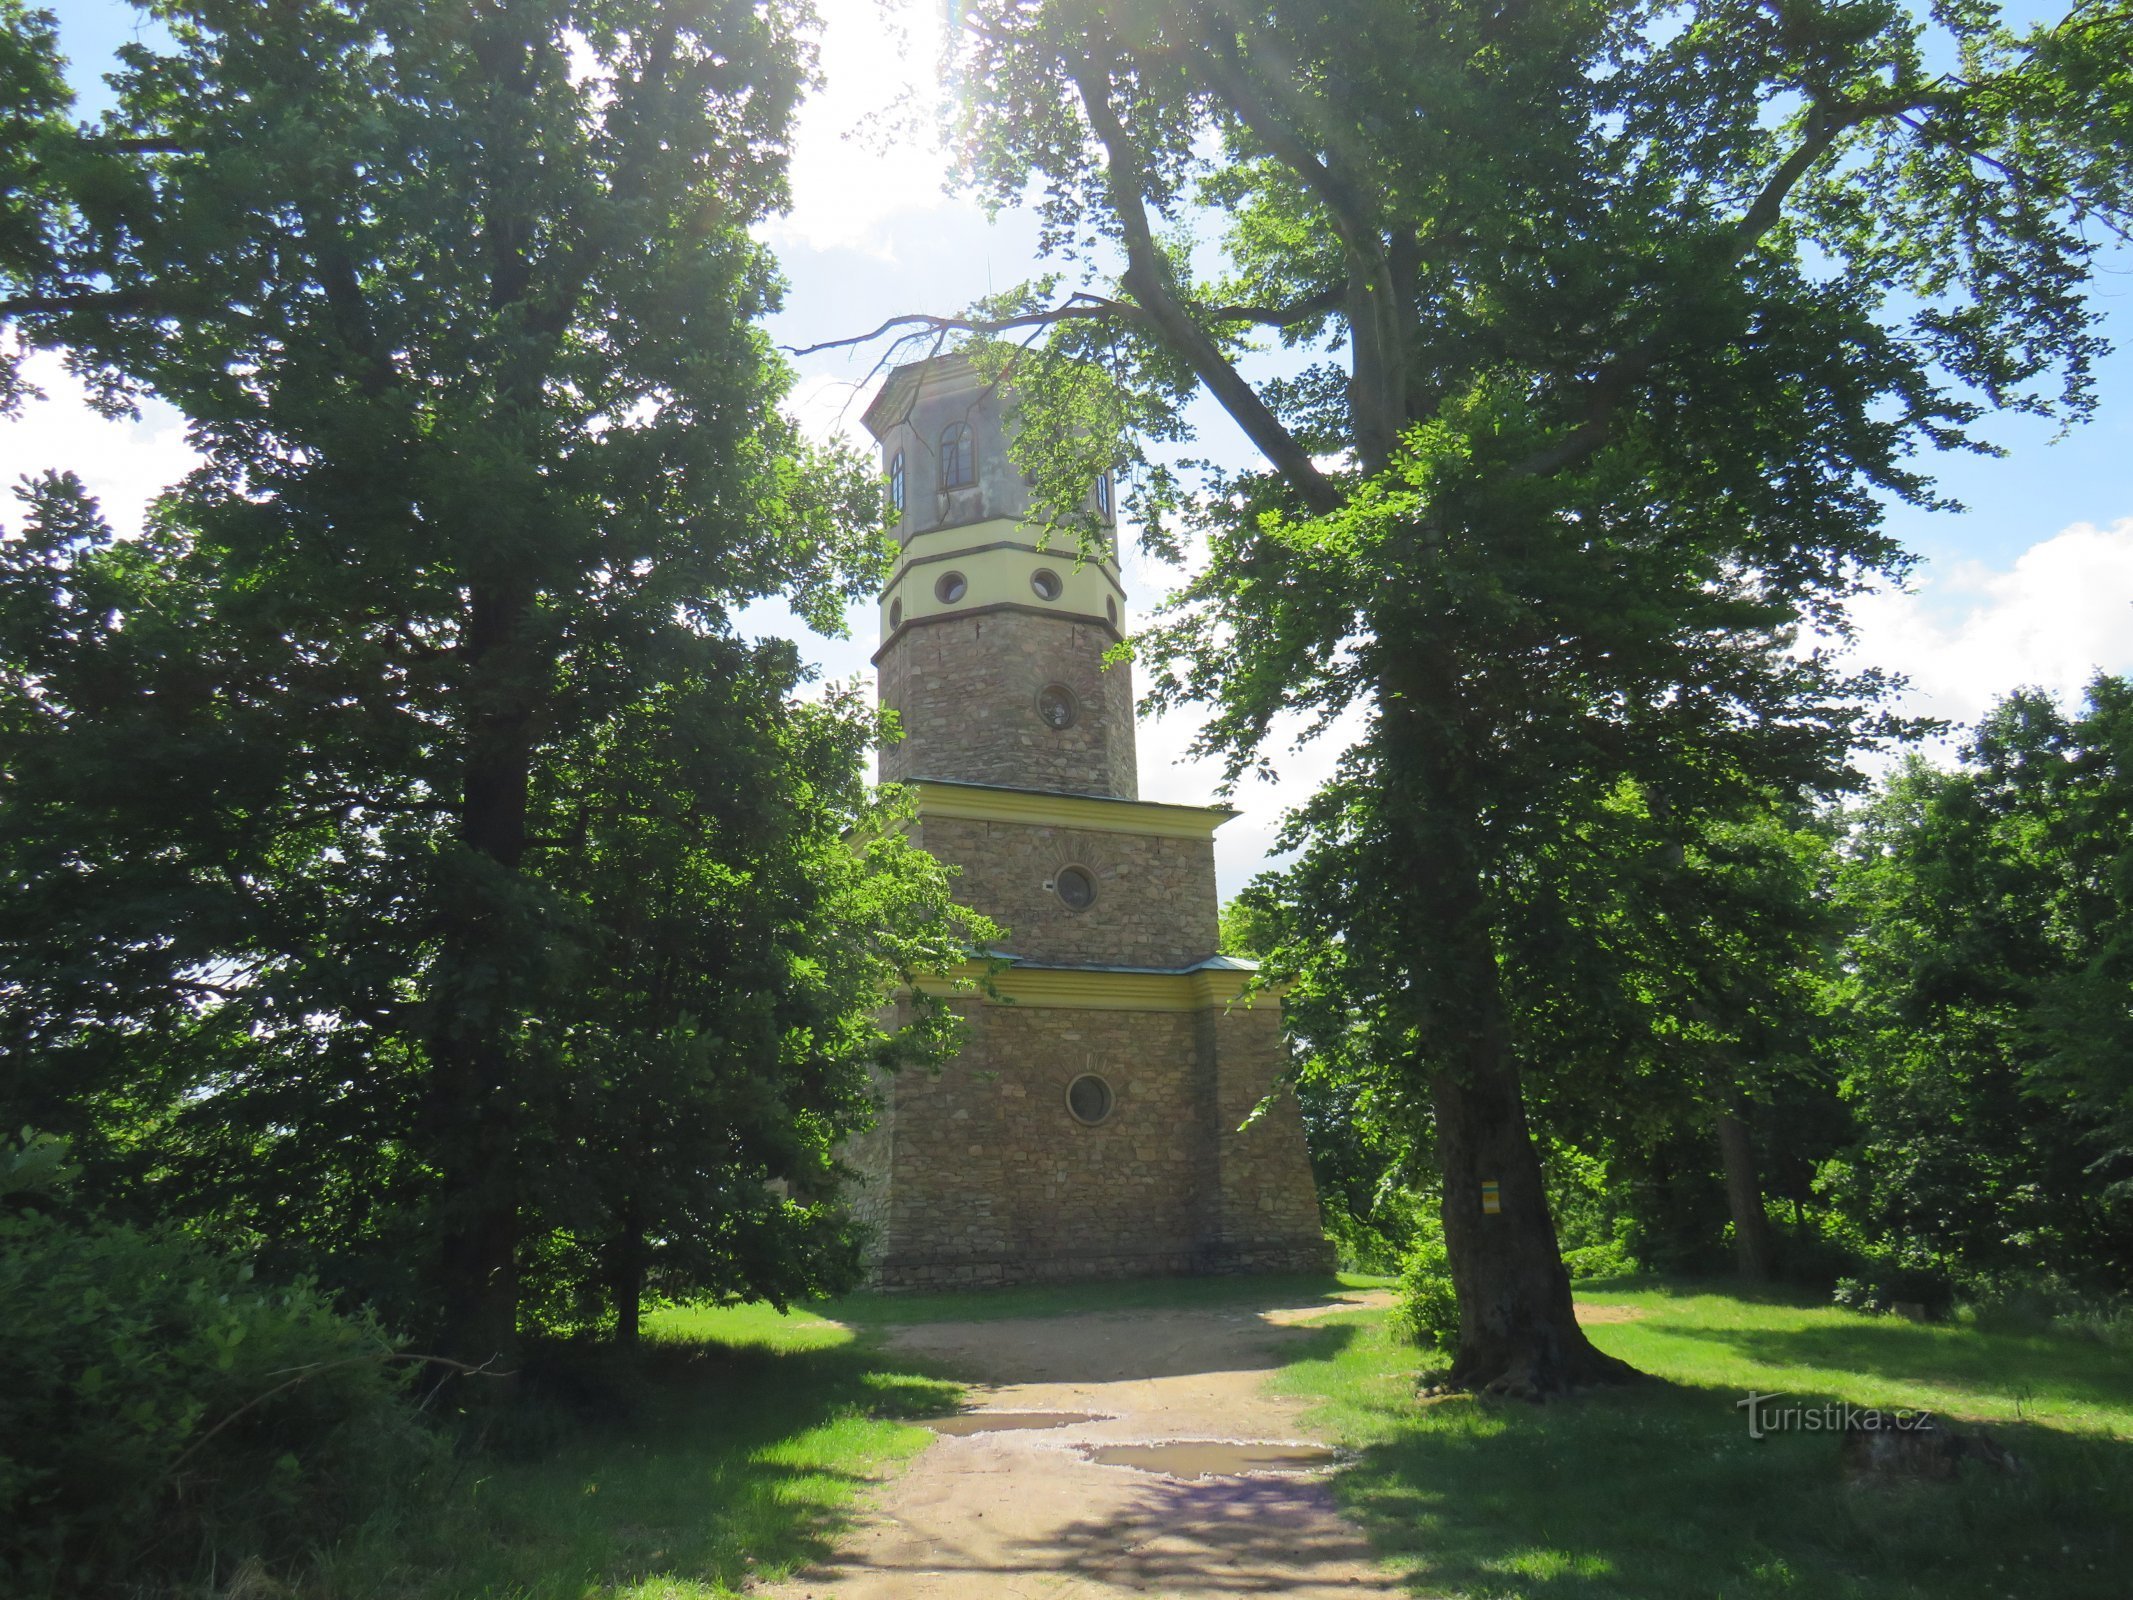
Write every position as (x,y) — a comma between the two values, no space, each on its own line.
(164,1417)
(1610,1260)
(2045,1302)
(1428,1310)
(1881,1287)
(1379,1241)
(1816,1247)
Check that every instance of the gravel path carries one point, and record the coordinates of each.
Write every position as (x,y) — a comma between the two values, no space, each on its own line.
(1024,1511)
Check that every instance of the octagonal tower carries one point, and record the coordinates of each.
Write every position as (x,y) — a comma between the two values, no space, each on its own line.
(1094,1122)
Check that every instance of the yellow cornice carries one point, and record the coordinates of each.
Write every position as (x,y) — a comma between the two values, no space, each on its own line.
(974,802)
(1087,989)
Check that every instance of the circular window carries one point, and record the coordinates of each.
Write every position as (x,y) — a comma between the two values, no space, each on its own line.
(1089,1098)
(950,588)
(1075,888)
(896,613)
(1111,610)
(1046,583)
(1057,706)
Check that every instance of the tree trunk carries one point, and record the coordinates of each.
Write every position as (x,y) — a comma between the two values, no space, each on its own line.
(626,1286)
(1518,1333)
(1754,1251)
(473,1105)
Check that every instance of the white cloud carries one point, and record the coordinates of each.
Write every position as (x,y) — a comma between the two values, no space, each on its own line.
(828,406)
(867,148)
(2060,614)
(125,464)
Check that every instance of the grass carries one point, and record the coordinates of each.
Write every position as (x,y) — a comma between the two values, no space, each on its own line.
(735,1452)
(737,1449)
(1656,1490)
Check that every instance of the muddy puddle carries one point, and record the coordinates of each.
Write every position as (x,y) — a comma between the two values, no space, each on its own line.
(1212,1458)
(1006,1421)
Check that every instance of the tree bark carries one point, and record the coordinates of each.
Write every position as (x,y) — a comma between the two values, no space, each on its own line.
(473,1108)
(1518,1331)
(626,1286)
(1754,1251)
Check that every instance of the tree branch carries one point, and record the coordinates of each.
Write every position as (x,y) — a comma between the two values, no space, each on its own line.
(1611,385)
(1265,97)
(1148,277)
(1081,307)
(57,302)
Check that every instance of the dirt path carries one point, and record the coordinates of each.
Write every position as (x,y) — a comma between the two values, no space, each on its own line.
(1026,1512)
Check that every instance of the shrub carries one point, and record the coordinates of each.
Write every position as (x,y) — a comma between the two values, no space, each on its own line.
(1609,1260)
(2046,1302)
(1377,1242)
(164,1417)
(1882,1286)
(1428,1310)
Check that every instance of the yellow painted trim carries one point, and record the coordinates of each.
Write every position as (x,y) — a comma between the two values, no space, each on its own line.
(1071,989)
(1089,813)
(993,577)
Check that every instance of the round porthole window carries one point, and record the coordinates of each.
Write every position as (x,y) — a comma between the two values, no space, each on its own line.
(951,588)
(1111,610)
(896,613)
(1089,1099)
(1057,707)
(1075,888)
(1046,583)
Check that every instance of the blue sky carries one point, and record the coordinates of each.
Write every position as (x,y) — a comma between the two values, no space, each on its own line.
(2032,583)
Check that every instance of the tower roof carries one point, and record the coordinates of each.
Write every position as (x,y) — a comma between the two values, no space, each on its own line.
(893,404)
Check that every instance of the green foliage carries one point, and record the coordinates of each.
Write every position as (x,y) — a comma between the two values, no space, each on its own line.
(32,1166)
(1987,907)
(1631,331)
(1885,1287)
(409,864)
(166,1416)
(1428,1310)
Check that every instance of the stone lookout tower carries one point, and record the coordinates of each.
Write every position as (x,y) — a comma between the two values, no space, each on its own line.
(1092,1124)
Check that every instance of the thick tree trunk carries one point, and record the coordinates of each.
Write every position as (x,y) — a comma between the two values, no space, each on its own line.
(474,1122)
(1754,1251)
(1518,1332)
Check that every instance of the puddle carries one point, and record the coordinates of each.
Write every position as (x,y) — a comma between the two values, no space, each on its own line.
(1212,1458)
(1007,1421)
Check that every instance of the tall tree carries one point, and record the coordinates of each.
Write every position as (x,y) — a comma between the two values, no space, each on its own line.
(1635,314)
(1982,999)
(324,794)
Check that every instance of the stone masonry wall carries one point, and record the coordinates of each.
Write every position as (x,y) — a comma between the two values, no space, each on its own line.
(966,689)
(1155,897)
(993,1180)
(1264,1216)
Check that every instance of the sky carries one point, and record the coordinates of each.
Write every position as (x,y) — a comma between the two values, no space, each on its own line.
(2030,585)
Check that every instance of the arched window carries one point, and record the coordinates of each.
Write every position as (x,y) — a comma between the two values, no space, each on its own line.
(896,482)
(959,466)
(1103,495)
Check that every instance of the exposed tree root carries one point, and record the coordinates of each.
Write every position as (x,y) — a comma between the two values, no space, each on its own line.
(1539,1369)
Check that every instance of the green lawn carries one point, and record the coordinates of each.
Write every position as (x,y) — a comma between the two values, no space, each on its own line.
(740,1448)
(737,1453)
(1657,1490)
